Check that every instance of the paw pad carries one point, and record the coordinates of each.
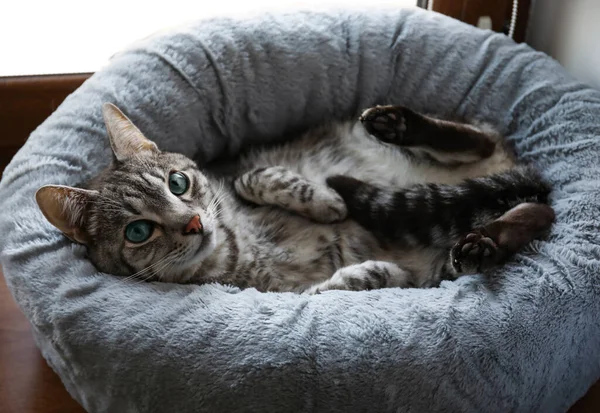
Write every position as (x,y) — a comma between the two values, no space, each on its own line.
(474,253)
(386,123)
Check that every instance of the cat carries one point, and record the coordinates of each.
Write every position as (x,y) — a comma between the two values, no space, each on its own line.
(279,222)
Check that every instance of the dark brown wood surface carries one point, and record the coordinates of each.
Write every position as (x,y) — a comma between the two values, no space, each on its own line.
(25,101)
(27,384)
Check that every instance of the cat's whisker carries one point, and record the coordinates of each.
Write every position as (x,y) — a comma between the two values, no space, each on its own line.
(153,266)
(147,277)
(214,207)
(215,198)
(150,269)
(217,212)
(157,271)
(219,201)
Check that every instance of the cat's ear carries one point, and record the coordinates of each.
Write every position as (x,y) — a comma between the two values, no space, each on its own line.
(64,207)
(126,139)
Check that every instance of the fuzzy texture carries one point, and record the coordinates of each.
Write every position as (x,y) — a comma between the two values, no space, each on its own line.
(525,340)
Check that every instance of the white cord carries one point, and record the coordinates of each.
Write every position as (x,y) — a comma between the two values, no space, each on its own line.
(513,19)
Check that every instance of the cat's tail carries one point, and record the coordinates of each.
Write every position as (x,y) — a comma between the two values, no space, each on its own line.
(438,214)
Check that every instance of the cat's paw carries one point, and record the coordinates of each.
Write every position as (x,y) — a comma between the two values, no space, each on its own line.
(386,123)
(327,207)
(474,253)
(314,290)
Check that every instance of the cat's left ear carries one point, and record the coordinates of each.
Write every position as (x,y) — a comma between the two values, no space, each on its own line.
(65,208)
(126,139)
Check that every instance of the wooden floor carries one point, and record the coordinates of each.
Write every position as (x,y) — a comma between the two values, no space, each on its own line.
(28,385)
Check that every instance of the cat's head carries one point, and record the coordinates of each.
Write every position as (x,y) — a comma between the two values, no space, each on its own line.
(149,211)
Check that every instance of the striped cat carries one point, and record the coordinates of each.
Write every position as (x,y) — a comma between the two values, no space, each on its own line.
(430,199)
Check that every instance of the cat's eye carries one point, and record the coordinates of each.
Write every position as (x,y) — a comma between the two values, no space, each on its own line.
(178,183)
(139,231)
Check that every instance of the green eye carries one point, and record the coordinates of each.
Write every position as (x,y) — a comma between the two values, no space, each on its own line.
(139,231)
(178,183)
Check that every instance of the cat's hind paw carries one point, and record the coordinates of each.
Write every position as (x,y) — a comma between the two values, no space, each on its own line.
(386,123)
(474,253)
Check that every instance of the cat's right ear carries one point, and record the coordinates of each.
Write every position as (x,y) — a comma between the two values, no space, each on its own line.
(126,140)
(64,207)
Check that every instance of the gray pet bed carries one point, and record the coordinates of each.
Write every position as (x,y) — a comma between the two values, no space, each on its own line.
(527,339)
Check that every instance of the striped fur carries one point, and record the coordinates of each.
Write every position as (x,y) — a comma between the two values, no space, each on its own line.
(438,214)
(276,225)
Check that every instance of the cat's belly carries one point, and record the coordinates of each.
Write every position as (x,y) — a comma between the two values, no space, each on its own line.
(301,253)
(346,149)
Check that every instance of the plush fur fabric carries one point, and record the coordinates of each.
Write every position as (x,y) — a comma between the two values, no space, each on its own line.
(524,340)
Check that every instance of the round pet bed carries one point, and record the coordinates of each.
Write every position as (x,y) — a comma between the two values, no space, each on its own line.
(525,339)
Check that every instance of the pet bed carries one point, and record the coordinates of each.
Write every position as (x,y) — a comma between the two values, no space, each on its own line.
(525,339)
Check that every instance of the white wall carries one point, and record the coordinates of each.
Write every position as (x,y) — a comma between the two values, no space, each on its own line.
(569,30)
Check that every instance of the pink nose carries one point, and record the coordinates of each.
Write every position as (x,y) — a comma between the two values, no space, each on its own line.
(194,226)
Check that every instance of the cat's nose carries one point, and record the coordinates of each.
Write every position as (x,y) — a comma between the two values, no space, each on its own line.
(194,226)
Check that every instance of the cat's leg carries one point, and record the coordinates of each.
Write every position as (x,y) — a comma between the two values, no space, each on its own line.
(281,187)
(493,243)
(445,141)
(437,214)
(368,275)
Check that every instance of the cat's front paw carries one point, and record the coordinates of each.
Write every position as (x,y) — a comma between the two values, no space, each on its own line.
(386,123)
(474,253)
(327,207)
(314,290)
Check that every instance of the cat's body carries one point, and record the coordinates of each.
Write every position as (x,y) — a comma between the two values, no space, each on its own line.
(308,252)
(271,239)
